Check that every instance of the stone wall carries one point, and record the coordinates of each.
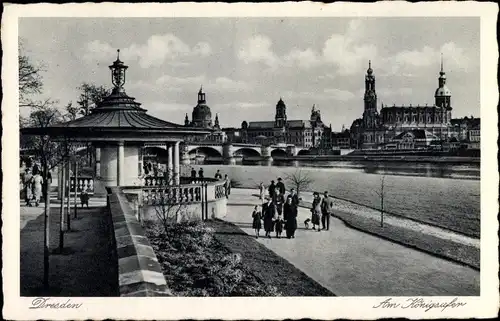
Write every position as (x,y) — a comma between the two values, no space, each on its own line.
(140,273)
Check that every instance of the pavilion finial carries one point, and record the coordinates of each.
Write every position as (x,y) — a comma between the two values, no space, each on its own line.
(118,69)
(117,54)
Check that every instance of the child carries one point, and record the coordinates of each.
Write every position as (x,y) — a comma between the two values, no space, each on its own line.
(278,226)
(84,198)
(256,224)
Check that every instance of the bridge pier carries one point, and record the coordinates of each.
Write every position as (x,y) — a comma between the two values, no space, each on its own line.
(229,160)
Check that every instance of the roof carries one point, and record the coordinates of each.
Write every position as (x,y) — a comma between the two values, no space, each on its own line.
(443,91)
(261,124)
(118,115)
(417,134)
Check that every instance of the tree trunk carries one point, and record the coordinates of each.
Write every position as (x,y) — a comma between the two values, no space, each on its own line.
(61,211)
(46,224)
(76,181)
(382,211)
(68,208)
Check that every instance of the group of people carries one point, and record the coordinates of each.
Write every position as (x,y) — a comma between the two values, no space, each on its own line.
(218,176)
(279,213)
(32,183)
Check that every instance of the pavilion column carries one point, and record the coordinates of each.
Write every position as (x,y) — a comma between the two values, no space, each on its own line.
(120,164)
(98,162)
(170,165)
(176,164)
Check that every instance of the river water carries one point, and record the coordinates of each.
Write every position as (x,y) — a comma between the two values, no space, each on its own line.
(445,195)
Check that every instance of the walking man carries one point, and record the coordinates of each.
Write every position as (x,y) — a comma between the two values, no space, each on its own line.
(200,173)
(294,197)
(281,186)
(326,210)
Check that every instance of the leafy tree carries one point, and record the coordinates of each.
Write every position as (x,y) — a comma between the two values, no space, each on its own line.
(91,95)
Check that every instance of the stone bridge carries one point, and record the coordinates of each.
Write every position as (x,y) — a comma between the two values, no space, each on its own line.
(229,152)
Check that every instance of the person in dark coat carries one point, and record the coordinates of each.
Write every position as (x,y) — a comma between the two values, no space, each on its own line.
(326,210)
(316,211)
(290,217)
(278,226)
(272,190)
(279,200)
(218,175)
(193,173)
(281,186)
(200,173)
(268,212)
(294,196)
(256,221)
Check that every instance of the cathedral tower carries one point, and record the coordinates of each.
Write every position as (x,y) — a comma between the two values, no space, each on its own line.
(280,118)
(443,94)
(370,113)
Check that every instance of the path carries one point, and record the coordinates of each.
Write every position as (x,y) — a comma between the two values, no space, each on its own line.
(352,263)
(85,269)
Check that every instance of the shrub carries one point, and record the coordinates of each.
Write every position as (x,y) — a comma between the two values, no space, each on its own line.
(195,264)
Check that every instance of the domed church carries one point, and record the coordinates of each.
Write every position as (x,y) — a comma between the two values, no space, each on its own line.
(202,116)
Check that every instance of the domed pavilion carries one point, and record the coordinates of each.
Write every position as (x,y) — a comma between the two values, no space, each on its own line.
(119,129)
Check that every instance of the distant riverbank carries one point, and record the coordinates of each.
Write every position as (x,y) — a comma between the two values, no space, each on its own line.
(386,158)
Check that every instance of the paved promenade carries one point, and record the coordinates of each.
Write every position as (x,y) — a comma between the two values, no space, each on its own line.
(84,269)
(352,263)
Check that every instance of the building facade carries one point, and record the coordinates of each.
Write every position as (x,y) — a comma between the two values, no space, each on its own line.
(309,133)
(375,129)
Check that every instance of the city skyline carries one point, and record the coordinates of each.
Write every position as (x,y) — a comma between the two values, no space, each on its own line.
(250,63)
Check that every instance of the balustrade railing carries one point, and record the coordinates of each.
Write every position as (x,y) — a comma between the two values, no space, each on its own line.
(84,183)
(171,195)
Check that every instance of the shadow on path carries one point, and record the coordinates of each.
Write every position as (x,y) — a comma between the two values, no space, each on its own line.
(86,267)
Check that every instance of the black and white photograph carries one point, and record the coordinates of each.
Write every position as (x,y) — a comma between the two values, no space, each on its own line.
(333,164)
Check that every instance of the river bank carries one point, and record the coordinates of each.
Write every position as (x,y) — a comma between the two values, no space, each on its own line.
(386,158)
(450,203)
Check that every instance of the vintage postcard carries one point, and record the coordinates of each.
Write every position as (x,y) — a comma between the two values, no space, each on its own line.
(250,161)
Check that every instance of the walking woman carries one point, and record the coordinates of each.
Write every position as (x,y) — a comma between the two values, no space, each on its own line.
(256,223)
(28,187)
(316,211)
(290,216)
(37,187)
(261,191)
(268,212)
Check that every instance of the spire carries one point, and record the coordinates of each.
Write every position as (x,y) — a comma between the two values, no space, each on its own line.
(370,70)
(186,120)
(216,120)
(442,69)
(201,96)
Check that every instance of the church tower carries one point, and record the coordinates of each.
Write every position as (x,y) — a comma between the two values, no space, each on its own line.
(280,118)
(370,114)
(443,94)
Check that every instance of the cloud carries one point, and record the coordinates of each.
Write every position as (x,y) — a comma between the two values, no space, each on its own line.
(258,49)
(338,94)
(243,105)
(340,50)
(227,84)
(305,59)
(454,57)
(157,50)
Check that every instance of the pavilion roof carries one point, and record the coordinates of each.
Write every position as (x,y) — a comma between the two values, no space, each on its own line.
(117,115)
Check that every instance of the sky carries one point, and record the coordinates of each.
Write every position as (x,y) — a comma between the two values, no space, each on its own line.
(246,64)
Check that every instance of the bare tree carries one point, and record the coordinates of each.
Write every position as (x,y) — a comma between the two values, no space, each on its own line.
(300,180)
(167,200)
(91,95)
(381,195)
(50,153)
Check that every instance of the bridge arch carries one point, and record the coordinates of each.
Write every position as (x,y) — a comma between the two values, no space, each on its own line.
(304,152)
(278,152)
(205,150)
(246,152)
